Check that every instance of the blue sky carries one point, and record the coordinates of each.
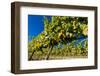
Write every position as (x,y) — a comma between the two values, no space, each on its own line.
(35,25)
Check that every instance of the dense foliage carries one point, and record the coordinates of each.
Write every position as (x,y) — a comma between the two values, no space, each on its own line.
(58,38)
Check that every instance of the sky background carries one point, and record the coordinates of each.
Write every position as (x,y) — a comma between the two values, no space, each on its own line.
(35,25)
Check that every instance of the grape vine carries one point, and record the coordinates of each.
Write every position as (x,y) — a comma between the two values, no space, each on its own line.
(60,30)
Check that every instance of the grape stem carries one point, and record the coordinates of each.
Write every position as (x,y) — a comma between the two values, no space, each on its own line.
(31,55)
(49,52)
